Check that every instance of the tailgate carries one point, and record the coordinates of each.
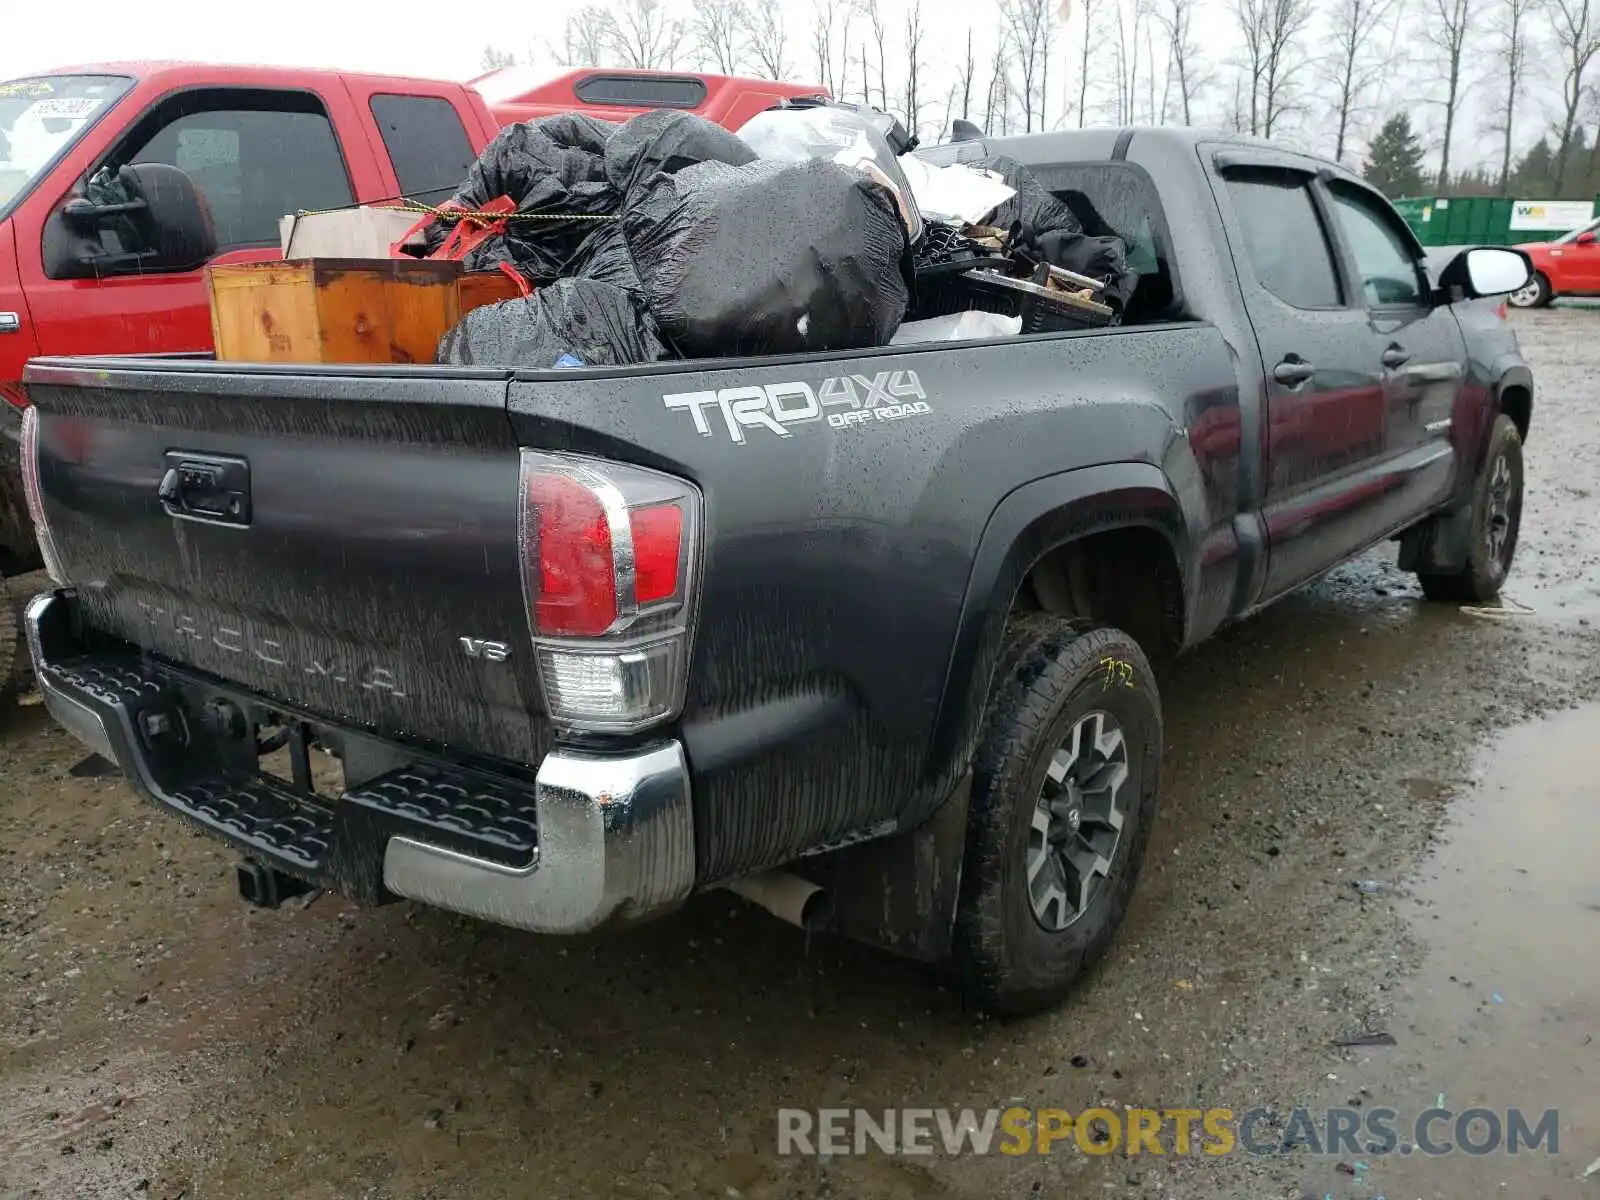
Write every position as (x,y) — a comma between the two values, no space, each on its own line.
(336,541)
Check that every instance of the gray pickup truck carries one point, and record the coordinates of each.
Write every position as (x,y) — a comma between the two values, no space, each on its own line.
(867,637)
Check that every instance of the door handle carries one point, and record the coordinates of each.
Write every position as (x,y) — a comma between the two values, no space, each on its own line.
(1394,357)
(1293,371)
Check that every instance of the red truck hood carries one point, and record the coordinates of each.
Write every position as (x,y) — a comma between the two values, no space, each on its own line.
(17,343)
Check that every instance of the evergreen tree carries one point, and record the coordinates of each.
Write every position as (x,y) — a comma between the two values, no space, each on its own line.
(1394,160)
(1531,178)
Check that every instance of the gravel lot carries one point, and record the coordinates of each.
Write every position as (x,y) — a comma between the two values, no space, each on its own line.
(159,1039)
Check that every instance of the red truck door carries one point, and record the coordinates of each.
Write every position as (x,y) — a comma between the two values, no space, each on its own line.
(426,138)
(255,152)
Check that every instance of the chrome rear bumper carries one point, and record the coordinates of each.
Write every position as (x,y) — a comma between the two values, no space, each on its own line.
(614,838)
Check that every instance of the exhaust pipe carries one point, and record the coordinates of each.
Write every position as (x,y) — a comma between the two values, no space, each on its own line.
(788,897)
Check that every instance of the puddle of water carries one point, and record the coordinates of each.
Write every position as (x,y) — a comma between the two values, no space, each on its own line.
(1506,1009)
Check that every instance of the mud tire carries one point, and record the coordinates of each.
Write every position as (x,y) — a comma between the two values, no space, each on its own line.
(1051,675)
(1484,574)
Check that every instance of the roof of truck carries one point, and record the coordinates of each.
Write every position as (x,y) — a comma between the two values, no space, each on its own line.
(153,68)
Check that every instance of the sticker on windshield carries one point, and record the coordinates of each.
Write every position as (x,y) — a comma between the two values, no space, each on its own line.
(26,87)
(74,108)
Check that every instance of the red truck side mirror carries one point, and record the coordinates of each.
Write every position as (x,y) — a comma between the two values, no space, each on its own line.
(160,219)
(1585,239)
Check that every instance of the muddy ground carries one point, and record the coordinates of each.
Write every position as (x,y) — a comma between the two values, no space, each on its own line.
(159,1039)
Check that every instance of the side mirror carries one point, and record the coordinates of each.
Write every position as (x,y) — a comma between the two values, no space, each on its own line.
(1584,239)
(150,218)
(1485,271)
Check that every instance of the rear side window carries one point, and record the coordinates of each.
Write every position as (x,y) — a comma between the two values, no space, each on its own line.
(1284,239)
(253,165)
(1117,199)
(642,91)
(427,144)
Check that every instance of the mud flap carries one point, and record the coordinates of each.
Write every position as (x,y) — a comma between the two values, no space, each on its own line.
(1440,545)
(899,893)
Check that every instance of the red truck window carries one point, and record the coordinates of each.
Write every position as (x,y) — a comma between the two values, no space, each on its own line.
(427,145)
(253,163)
(642,91)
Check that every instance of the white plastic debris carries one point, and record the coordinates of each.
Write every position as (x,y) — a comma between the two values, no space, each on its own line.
(957,194)
(957,327)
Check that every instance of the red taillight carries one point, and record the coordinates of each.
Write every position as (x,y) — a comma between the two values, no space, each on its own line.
(657,549)
(610,555)
(577,594)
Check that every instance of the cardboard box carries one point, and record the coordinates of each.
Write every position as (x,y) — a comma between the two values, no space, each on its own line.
(347,233)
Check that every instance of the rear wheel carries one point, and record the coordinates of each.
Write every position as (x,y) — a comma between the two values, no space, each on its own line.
(1536,293)
(1064,793)
(1496,522)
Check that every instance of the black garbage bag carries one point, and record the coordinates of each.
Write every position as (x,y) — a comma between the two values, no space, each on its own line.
(769,258)
(552,165)
(1033,213)
(1103,258)
(571,323)
(668,140)
(604,257)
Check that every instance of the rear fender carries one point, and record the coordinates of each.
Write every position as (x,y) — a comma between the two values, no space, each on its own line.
(900,893)
(1029,523)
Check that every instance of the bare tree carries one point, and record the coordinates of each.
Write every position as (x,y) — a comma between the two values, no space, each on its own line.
(831,28)
(1150,74)
(645,35)
(914,35)
(495,58)
(719,37)
(968,71)
(997,104)
(880,34)
(1130,23)
(767,38)
(1352,67)
(1176,18)
(1446,29)
(1512,20)
(1030,27)
(587,38)
(1271,32)
(1578,40)
(1086,56)
(822,43)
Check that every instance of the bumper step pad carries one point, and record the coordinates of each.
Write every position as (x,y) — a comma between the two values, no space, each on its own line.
(336,844)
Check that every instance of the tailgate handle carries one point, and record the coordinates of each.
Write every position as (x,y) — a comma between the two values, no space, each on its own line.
(206,487)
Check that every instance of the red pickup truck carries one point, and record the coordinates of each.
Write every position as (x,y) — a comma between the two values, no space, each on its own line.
(259,142)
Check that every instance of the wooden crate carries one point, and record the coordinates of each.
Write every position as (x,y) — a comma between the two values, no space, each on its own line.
(326,310)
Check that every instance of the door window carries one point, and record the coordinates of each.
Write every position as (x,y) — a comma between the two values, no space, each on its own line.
(426,143)
(1384,262)
(253,165)
(1284,239)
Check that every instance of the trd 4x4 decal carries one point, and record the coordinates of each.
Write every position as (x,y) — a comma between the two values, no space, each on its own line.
(778,407)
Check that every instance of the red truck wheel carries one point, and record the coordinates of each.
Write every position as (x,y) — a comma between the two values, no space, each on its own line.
(1064,794)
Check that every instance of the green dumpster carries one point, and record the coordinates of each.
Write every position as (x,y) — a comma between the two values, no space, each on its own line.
(1492,220)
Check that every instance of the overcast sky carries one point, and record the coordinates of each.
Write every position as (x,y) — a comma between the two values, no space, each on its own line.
(413,38)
